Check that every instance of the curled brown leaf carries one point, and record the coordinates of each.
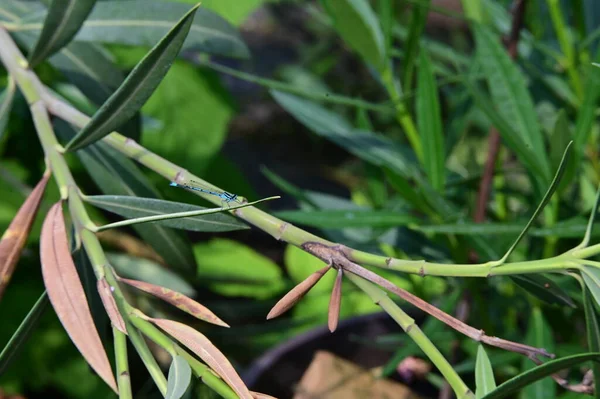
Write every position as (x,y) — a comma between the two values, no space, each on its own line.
(178,300)
(335,302)
(110,305)
(15,237)
(296,293)
(67,296)
(201,346)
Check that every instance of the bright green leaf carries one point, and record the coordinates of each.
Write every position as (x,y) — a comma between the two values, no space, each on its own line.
(429,122)
(180,376)
(137,88)
(233,269)
(358,26)
(62,22)
(484,375)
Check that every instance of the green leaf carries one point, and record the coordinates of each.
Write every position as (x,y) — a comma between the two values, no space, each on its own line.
(590,225)
(150,272)
(561,136)
(115,174)
(429,122)
(371,147)
(539,335)
(6,101)
(144,22)
(180,376)
(135,207)
(591,277)
(509,93)
(593,334)
(484,375)
(412,45)
(358,26)
(547,196)
(137,88)
(545,289)
(233,269)
(199,102)
(524,379)
(233,11)
(62,22)
(20,336)
(337,219)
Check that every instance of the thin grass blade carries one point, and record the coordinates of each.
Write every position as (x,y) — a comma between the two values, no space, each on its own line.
(14,238)
(67,295)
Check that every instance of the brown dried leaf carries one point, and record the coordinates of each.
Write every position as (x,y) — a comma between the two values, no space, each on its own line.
(67,296)
(110,305)
(209,353)
(296,293)
(335,302)
(15,237)
(178,300)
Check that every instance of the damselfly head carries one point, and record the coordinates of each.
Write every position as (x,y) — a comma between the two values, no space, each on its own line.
(174,184)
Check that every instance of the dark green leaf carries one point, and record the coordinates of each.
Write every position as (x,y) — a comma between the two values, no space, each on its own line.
(545,289)
(412,45)
(6,100)
(509,93)
(115,174)
(357,24)
(369,146)
(135,207)
(23,332)
(593,333)
(337,219)
(524,379)
(547,196)
(62,22)
(561,136)
(429,122)
(180,376)
(144,22)
(539,335)
(484,375)
(137,88)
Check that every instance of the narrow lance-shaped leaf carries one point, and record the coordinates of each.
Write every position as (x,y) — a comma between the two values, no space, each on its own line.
(137,88)
(593,334)
(180,376)
(591,278)
(202,347)
(12,348)
(335,302)
(484,375)
(429,121)
(14,238)
(544,288)
(178,300)
(63,20)
(67,295)
(590,226)
(510,387)
(6,100)
(547,196)
(105,291)
(296,293)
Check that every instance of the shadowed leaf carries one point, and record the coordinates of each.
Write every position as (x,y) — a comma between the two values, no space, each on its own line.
(296,293)
(6,101)
(591,277)
(180,375)
(12,348)
(67,296)
(335,302)
(593,334)
(14,238)
(202,347)
(178,300)
(110,305)
(545,289)
(62,22)
(137,88)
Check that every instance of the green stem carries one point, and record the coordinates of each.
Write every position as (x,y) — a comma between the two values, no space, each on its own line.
(122,364)
(147,358)
(379,296)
